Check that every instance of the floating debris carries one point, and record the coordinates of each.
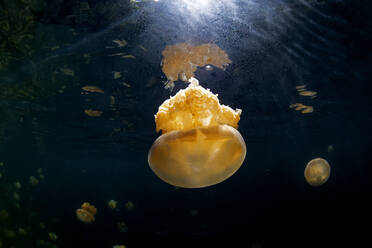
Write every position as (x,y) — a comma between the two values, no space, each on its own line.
(116,54)
(308,110)
(112,204)
(304,109)
(117,74)
(301,87)
(33,181)
(86,213)
(120,43)
(54,48)
(125,84)
(129,56)
(92,89)
(143,48)
(66,71)
(93,113)
(307,93)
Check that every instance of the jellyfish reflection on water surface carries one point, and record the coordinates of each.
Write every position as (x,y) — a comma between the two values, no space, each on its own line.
(199,146)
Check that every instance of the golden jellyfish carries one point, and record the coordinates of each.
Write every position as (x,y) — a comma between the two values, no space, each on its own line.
(317,172)
(112,204)
(129,205)
(181,60)
(199,145)
(86,213)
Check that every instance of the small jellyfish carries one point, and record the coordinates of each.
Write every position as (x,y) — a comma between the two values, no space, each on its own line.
(86,213)
(330,148)
(17,185)
(121,227)
(33,180)
(52,236)
(112,204)
(129,205)
(40,170)
(317,172)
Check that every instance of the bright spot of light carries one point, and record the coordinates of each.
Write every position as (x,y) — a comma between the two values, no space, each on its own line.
(196,3)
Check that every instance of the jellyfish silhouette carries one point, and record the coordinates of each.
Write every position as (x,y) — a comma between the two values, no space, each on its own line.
(200,145)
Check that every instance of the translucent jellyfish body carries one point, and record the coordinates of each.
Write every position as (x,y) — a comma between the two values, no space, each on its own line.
(317,172)
(199,146)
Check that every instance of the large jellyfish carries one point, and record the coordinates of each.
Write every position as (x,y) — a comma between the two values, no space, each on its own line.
(317,172)
(199,145)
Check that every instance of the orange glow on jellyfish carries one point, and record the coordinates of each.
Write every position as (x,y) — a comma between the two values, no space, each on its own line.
(86,213)
(317,172)
(200,145)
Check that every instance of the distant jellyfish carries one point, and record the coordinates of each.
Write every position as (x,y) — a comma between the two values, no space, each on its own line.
(330,148)
(17,185)
(33,180)
(317,172)
(52,236)
(129,205)
(112,204)
(86,213)
(121,227)
(119,246)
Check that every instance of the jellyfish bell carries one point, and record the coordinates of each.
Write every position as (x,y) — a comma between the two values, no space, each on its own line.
(317,172)
(200,145)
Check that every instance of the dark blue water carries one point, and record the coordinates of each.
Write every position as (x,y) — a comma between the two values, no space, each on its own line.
(274,46)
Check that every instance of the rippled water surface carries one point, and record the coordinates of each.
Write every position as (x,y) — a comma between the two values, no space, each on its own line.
(91,145)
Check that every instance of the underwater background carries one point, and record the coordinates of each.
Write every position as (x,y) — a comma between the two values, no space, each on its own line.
(61,145)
